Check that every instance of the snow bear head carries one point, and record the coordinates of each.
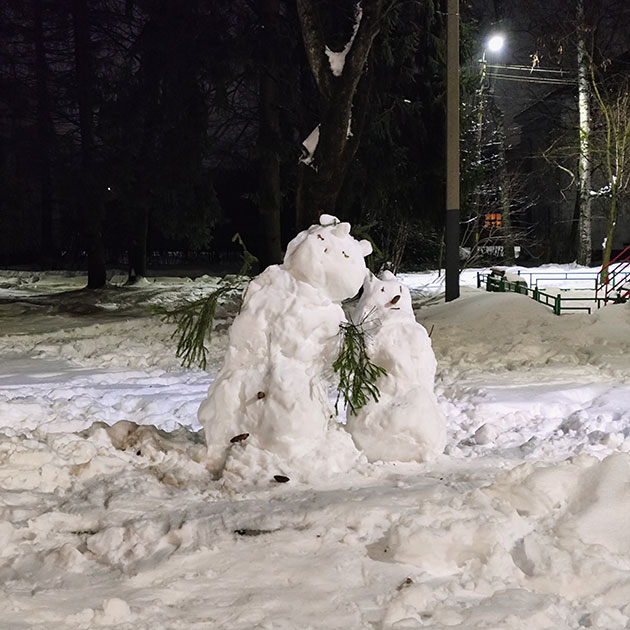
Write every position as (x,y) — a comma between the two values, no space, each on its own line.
(328,258)
(383,298)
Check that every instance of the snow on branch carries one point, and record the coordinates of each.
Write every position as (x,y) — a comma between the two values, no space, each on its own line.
(605,190)
(337,60)
(309,145)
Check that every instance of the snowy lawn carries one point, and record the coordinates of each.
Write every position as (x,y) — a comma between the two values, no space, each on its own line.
(109,517)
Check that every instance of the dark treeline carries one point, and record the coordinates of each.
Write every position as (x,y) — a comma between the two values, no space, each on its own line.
(147,132)
(133,128)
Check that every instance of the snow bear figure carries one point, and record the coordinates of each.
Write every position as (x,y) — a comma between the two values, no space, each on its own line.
(273,384)
(406,423)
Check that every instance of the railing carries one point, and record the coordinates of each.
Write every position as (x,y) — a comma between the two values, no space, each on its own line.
(556,302)
(613,278)
(535,278)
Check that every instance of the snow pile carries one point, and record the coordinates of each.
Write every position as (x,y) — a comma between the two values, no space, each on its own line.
(110,518)
(525,534)
(405,424)
(49,462)
(271,391)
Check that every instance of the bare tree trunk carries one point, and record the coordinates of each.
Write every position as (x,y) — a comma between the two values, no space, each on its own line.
(509,254)
(44,136)
(570,250)
(137,253)
(610,228)
(269,193)
(91,197)
(584,170)
(343,100)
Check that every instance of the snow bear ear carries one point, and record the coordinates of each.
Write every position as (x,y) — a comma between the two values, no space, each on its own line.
(370,278)
(387,275)
(366,247)
(328,219)
(341,230)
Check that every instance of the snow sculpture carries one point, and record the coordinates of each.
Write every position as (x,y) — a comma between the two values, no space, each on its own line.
(406,423)
(272,384)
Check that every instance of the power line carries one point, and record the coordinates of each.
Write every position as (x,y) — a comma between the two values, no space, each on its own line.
(529,69)
(507,77)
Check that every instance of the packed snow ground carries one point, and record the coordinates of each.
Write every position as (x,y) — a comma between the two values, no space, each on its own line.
(108,516)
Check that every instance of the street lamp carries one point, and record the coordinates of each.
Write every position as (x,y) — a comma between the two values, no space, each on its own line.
(495,43)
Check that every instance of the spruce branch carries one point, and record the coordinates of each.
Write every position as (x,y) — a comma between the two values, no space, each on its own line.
(194,324)
(357,374)
(195,320)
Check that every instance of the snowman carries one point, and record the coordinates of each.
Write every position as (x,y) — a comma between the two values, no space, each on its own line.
(271,394)
(405,424)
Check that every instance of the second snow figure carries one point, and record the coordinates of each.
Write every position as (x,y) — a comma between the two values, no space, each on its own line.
(406,423)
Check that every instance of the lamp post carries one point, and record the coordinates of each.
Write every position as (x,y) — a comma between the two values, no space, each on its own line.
(493,44)
(452,152)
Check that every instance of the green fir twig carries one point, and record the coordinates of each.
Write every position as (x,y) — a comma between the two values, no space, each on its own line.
(194,325)
(195,320)
(357,374)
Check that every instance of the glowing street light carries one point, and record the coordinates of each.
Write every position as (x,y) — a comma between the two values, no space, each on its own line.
(495,43)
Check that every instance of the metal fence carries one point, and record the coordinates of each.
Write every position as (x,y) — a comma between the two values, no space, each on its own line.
(559,303)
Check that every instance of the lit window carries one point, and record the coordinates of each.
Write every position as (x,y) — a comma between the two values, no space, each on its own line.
(493,220)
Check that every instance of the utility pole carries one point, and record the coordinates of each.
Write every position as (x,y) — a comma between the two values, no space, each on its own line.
(452,152)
